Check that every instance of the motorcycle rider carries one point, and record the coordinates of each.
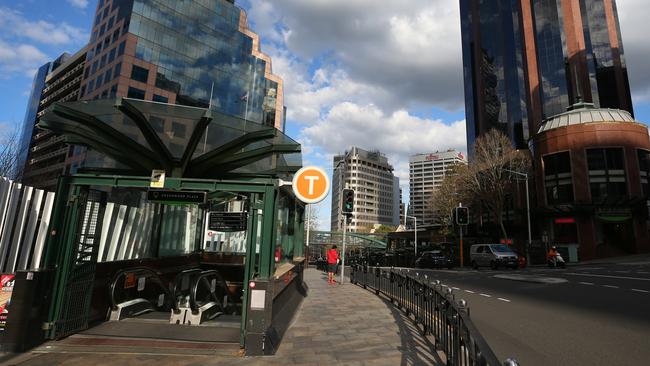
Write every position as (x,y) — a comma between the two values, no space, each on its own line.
(553,257)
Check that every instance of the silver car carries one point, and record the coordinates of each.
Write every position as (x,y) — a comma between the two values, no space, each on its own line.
(493,255)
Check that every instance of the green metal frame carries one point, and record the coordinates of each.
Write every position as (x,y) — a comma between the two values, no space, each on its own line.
(263,195)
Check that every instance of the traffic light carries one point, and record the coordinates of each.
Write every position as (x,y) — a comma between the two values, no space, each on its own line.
(462,215)
(348,201)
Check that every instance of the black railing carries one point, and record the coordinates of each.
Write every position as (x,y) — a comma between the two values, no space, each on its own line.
(435,309)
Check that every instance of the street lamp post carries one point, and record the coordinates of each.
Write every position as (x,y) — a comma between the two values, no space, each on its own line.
(525,175)
(415,220)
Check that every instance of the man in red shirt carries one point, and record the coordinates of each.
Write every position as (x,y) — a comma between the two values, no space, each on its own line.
(332,261)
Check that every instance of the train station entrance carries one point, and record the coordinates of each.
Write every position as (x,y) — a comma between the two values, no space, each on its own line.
(179,226)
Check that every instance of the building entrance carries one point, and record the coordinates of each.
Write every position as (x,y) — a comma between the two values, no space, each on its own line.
(174,236)
(618,237)
(144,268)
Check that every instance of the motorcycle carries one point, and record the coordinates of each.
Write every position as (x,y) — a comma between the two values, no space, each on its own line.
(555,261)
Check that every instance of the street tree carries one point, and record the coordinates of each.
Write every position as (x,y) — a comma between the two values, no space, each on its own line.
(446,197)
(486,181)
(384,229)
(9,152)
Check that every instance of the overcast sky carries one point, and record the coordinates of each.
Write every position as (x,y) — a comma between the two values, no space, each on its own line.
(383,75)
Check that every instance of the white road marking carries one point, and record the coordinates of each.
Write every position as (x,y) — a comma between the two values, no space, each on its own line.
(607,276)
(642,272)
(456,288)
(637,290)
(502,299)
(485,295)
(623,271)
(610,286)
(586,283)
(470,291)
(445,286)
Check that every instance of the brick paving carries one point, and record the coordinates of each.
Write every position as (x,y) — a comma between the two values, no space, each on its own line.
(336,325)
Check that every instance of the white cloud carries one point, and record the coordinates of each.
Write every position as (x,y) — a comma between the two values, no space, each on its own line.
(397,135)
(634,32)
(81,4)
(14,24)
(407,49)
(21,58)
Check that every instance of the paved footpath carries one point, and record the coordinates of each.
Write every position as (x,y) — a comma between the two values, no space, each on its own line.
(337,325)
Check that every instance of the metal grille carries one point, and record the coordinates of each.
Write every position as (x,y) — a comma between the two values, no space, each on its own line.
(79,286)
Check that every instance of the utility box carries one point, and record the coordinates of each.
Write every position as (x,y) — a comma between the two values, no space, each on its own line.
(27,311)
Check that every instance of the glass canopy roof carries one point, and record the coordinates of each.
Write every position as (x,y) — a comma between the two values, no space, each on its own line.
(141,136)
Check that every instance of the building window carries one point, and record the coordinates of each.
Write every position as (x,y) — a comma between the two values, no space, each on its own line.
(109,25)
(91,85)
(120,48)
(104,94)
(160,98)
(135,93)
(98,49)
(99,81)
(86,72)
(116,34)
(178,129)
(82,92)
(644,167)
(105,13)
(108,75)
(113,91)
(606,173)
(111,56)
(118,69)
(102,29)
(102,61)
(139,74)
(557,178)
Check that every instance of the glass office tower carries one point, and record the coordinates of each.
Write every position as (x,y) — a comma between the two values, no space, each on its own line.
(527,60)
(195,53)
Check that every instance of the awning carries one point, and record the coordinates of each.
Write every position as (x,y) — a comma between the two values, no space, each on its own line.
(140,136)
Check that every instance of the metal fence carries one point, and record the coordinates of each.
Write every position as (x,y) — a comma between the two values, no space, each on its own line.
(24,221)
(435,309)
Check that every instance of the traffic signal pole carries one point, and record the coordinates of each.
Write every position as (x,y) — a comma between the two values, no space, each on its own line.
(345,229)
(460,227)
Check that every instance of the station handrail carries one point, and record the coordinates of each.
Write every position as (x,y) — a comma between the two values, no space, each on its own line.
(177,282)
(435,308)
(195,287)
(136,270)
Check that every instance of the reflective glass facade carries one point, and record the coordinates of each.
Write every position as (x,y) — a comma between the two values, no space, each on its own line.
(494,70)
(527,60)
(30,115)
(196,53)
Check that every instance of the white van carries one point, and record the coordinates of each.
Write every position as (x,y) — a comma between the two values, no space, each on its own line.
(493,255)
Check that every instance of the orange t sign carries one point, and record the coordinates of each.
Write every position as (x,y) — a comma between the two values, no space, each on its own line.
(311,184)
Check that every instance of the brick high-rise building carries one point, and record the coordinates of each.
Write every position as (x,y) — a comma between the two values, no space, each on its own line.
(196,53)
(527,60)
(193,53)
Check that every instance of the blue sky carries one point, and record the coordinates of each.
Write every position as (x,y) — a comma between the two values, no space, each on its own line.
(386,78)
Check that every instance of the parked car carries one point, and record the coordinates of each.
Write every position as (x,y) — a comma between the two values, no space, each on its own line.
(433,259)
(493,255)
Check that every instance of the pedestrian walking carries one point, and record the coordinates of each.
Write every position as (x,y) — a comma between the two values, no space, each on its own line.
(332,261)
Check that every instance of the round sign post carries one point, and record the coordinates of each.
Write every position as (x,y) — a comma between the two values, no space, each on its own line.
(310,185)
